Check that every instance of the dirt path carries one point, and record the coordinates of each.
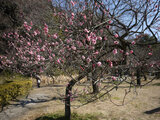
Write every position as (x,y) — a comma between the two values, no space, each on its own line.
(146,106)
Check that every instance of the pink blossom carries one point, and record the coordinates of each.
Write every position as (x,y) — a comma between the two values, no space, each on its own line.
(31,23)
(88,38)
(73,48)
(105,38)
(81,23)
(127,53)
(38,59)
(99,38)
(115,51)
(83,57)
(110,63)
(121,51)
(53,55)
(99,64)
(66,30)
(35,33)
(133,42)
(45,28)
(55,36)
(94,41)
(58,61)
(42,58)
(113,78)
(109,21)
(86,30)
(88,60)
(116,35)
(96,53)
(149,53)
(116,42)
(72,14)
(131,51)
(73,3)
(31,52)
(85,17)
(108,26)
(101,31)
(28,43)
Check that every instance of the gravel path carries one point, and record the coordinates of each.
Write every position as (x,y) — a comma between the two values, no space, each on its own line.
(40,100)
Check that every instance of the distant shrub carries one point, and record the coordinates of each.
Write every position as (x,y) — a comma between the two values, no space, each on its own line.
(15,86)
(8,76)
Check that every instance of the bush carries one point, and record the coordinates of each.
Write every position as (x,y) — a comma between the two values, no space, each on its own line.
(8,76)
(10,91)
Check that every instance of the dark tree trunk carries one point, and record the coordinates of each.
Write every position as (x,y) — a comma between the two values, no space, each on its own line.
(68,96)
(67,104)
(138,77)
(95,87)
(157,75)
(95,82)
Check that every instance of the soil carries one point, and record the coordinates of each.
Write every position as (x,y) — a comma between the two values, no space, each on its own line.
(40,101)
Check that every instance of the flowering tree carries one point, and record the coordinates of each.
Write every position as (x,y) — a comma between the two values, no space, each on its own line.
(91,38)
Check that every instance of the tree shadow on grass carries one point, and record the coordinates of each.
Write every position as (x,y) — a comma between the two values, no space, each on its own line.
(50,118)
(156,110)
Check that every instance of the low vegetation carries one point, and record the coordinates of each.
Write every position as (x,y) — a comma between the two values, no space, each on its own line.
(74,116)
(14,85)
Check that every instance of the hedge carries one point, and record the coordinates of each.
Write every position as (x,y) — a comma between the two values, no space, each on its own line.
(12,90)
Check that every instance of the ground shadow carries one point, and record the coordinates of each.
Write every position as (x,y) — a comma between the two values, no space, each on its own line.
(153,111)
(50,118)
(25,102)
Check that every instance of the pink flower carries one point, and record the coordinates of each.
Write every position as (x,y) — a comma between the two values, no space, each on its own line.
(83,57)
(149,53)
(28,43)
(116,35)
(127,53)
(99,38)
(99,64)
(73,3)
(121,51)
(133,42)
(55,36)
(45,28)
(96,53)
(116,42)
(85,17)
(109,21)
(131,51)
(113,78)
(86,30)
(101,31)
(72,14)
(58,61)
(94,41)
(53,55)
(73,48)
(105,38)
(115,51)
(88,60)
(88,38)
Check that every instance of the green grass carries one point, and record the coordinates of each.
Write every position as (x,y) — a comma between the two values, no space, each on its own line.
(74,116)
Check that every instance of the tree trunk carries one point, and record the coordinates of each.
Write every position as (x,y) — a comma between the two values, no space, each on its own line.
(94,82)
(67,104)
(68,96)
(138,77)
